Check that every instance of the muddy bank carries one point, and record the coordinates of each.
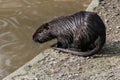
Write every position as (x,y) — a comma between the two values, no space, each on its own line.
(52,65)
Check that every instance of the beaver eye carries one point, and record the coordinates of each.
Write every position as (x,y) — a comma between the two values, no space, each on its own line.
(46,27)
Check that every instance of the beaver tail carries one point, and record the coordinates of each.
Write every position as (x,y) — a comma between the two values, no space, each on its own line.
(98,43)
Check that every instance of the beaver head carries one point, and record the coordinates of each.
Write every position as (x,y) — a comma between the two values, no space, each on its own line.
(43,34)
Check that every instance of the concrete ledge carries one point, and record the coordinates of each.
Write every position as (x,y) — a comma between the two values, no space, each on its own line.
(92,5)
(24,70)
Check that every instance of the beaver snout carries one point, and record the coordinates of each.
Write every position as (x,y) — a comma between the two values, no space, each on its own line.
(35,38)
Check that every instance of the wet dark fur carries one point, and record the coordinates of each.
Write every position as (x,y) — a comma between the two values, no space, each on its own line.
(82,33)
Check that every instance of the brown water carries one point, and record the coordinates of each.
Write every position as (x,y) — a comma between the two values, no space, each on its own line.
(18,21)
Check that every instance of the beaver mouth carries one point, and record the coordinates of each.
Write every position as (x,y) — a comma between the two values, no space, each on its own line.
(37,40)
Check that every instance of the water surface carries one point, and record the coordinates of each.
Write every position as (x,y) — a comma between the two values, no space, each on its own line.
(18,21)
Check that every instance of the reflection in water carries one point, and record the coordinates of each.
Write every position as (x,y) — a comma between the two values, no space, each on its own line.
(19,19)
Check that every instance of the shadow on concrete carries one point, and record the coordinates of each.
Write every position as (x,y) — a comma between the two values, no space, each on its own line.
(109,50)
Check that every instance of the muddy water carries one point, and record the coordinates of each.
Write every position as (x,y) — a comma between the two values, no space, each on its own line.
(19,19)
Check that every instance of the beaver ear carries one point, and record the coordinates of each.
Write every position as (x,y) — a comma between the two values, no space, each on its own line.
(46,26)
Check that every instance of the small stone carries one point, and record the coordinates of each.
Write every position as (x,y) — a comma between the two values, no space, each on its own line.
(61,74)
(69,76)
(76,74)
(35,79)
(118,27)
(24,79)
(27,68)
(110,28)
(53,71)
(88,57)
(116,40)
(116,32)
(117,14)
(106,20)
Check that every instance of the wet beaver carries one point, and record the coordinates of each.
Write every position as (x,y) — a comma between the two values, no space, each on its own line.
(82,33)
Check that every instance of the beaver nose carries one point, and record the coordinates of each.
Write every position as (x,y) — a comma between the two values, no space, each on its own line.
(35,38)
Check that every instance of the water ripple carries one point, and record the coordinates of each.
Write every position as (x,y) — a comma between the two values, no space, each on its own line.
(4,23)
(7,44)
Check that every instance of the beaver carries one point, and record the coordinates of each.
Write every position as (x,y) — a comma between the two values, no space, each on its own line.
(82,33)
